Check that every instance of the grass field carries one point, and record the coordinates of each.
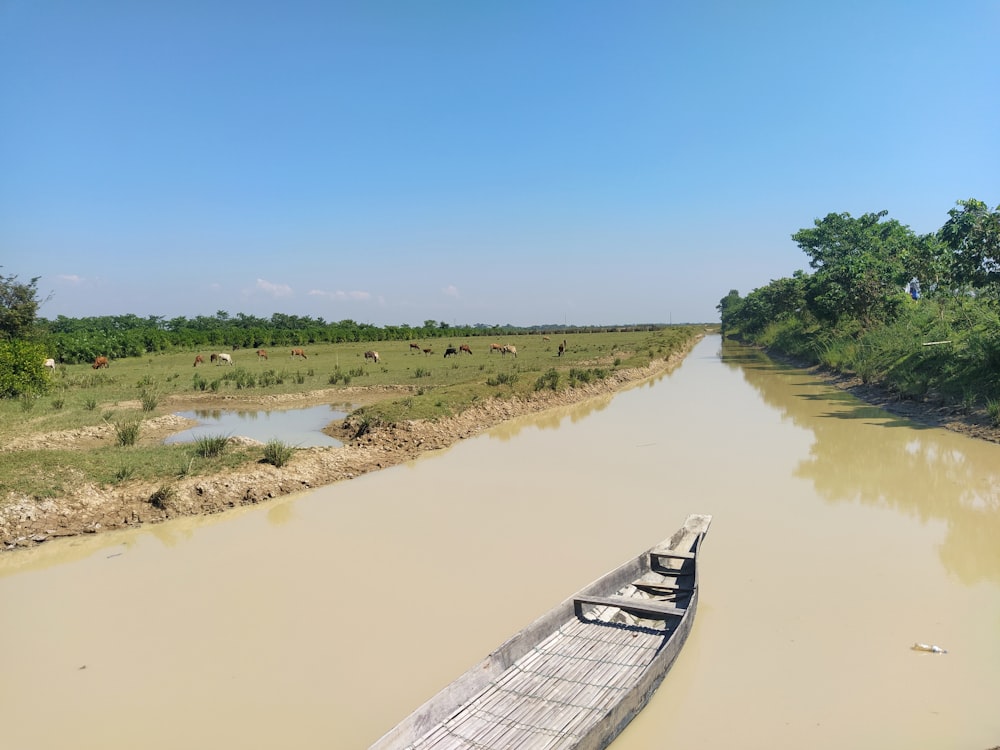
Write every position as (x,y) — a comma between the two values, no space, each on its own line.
(132,390)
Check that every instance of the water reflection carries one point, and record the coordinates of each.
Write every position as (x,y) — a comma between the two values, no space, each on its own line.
(867,455)
(301,427)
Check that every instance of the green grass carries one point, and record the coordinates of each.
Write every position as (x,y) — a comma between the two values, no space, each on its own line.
(423,387)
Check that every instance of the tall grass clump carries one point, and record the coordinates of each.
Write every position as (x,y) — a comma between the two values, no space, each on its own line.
(211,446)
(90,403)
(127,432)
(366,422)
(277,453)
(993,409)
(149,400)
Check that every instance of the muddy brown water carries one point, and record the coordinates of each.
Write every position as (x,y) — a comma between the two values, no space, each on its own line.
(842,535)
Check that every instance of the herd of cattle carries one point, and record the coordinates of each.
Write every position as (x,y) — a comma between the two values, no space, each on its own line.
(221,358)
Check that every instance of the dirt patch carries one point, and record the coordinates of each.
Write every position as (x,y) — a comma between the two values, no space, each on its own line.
(90,508)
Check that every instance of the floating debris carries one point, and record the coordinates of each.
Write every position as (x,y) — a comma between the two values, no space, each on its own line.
(929,648)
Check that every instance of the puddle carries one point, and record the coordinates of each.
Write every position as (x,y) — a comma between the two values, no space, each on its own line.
(298,427)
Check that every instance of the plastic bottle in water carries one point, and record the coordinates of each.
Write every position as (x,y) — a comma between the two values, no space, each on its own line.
(928,647)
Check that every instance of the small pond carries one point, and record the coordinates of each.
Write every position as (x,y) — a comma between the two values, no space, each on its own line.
(299,427)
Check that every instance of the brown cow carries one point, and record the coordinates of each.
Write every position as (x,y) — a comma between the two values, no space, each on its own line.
(198,360)
(415,346)
(428,350)
(562,348)
(465,348)
(100,362)
(261,354)
(372,356)
(496,348)
(299,353)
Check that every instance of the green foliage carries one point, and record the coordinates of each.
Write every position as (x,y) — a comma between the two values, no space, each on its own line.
(22,369)
(972,233)
(503,378)
(277,453)
(18,307)
(549,380)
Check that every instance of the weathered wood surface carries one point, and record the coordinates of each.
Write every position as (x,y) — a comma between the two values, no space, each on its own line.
(573,678)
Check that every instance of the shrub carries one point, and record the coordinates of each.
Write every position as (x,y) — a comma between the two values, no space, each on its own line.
(127,431)
(993,409)
(502,378)
(22,371)
(58,403)
(211,446)
(90,404)
(124,473)
(421,372)
(27,401)
(277,453)
(549,380)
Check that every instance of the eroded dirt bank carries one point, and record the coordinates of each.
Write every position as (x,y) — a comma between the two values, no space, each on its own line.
(91,508)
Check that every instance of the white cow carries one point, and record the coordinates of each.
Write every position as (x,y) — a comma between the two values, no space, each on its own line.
(51,364)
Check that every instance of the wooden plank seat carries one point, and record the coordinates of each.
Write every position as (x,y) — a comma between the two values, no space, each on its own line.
(644,607)
(663,586)
(676,555)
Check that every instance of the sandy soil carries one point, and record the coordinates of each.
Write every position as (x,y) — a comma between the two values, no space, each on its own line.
(90,508)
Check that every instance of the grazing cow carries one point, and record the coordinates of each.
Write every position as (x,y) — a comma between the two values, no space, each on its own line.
(496,348)
(415,346)
(223,357)
(465,348)
(451,351)
(373,356)
(428,351)
(198,360)
(299,353)
(562,348)
(545,338)
(261,354)
(50,363)
(509,350)
(100,362)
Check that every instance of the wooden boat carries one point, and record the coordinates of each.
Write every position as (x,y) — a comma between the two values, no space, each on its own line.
(579,674)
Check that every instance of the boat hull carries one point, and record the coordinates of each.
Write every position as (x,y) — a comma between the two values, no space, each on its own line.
(576,676)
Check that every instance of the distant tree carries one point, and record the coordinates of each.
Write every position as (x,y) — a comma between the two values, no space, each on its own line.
(18,307)
(972,232)
(22,370)
(729,309)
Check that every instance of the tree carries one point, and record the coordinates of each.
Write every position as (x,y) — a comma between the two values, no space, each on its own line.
(18,307)
(861,265)
(972,232)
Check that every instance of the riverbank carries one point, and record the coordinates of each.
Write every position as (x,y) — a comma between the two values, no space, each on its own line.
(91,508)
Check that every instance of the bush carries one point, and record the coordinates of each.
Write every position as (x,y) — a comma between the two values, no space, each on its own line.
(502,378)
(22,369)
(548,380)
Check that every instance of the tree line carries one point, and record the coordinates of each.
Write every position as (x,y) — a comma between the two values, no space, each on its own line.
(879,297)
(27,340)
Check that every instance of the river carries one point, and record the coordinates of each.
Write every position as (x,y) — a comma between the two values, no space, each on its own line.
(842,535)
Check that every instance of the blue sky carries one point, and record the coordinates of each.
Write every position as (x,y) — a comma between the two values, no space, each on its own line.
(522,162)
